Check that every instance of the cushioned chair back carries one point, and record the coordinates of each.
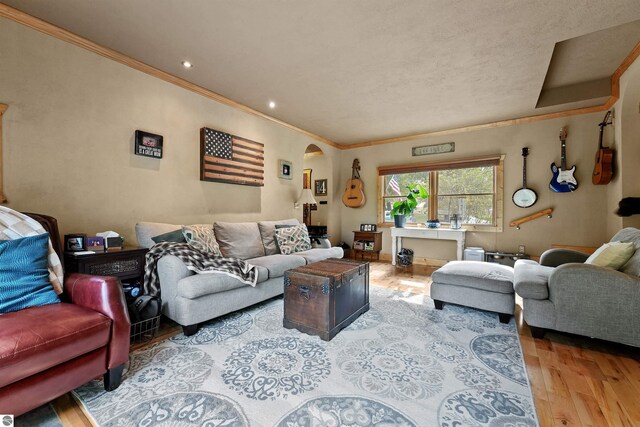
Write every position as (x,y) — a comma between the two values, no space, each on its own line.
(50,224)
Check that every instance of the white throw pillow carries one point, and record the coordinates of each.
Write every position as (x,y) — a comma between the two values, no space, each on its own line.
(201,238)
(613,255)
(292,239)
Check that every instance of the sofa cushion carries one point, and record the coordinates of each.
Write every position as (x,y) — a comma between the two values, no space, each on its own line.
(268,234)
(24,274)
(201,238)
(201,284)
(293,239)
(239,239)
(320,254)
(476,274)
(37,338)
(278,264)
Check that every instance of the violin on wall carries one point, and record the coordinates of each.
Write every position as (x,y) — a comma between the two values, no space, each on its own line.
(353,196)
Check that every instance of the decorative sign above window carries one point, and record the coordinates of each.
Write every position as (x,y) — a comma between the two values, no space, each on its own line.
(148,144)
(447,147)
(231,159)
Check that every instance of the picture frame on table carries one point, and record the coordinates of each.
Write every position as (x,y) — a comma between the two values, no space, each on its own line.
(320,187)
(285,169)
(75,242)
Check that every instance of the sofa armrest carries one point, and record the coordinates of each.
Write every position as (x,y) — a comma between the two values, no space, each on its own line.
(530,280)
(104,295)
(556,257)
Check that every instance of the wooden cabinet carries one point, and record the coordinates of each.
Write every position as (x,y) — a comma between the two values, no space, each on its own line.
(367,242)
(126,264)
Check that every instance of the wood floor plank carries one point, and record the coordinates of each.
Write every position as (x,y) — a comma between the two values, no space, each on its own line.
(627,397)
(555,383)
(588,409)
(543,411)
(563,411)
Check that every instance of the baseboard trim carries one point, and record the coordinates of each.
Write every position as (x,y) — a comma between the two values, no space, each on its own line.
(431,262)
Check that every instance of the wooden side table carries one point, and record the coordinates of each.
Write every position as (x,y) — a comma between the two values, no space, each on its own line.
(374,241)
(126,264)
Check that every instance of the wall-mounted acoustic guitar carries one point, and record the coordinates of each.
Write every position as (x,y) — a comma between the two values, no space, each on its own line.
(563,180)
(524,197)
(353,196)
(603,169)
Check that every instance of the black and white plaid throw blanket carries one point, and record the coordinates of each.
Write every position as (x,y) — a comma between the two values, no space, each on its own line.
(195,261)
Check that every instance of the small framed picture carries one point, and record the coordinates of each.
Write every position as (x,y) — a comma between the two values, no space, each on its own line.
(148,144)
(285,169)
(320,187)
(368,227)
(75,242)
(95,243)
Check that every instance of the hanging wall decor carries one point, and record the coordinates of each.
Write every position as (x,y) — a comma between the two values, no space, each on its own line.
(230,159)
(148,144)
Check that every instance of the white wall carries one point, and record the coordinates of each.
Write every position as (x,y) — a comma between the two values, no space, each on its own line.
(68,143)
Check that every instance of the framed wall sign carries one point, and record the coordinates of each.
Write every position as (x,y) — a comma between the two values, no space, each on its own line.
(368,227)
(447,147)
(285,169)
(320,187)
(148,144)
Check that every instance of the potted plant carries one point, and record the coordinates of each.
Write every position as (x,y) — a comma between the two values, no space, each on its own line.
(404,208)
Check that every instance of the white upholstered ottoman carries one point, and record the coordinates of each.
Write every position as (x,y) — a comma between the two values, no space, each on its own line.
(484,285)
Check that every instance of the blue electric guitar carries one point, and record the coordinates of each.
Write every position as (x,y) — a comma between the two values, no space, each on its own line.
(563,180)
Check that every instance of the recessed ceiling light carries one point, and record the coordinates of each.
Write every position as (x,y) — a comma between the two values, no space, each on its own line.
(187,64)
(272,104)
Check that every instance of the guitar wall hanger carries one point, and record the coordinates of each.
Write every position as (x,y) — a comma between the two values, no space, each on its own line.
(518,222)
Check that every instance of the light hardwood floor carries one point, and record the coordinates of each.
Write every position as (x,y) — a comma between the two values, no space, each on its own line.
(576,381)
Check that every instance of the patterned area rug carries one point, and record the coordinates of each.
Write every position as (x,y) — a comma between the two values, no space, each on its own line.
(402,363)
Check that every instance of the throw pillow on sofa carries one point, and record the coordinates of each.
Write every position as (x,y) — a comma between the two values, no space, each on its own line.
(613,255)
(293,239)
(201,238)
(24,274)
(175,236)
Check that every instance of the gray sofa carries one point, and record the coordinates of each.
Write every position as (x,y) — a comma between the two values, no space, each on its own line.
(189,298)
(563,294)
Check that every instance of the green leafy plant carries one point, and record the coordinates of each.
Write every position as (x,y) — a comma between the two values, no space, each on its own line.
(406,207)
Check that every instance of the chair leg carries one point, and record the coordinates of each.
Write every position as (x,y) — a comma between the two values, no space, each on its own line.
(190,330)
(537,332)
(113,378)
(439,304)
(504,317)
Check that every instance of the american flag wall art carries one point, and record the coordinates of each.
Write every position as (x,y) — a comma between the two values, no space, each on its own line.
(231,159)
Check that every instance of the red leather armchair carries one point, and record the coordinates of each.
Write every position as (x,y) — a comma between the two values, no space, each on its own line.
(50,350)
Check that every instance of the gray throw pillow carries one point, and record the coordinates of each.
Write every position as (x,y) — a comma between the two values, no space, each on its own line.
(268,233)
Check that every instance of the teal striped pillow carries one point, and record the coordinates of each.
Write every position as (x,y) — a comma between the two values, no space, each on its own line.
(24,274)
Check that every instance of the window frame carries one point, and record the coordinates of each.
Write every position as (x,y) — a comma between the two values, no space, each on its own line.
(497,161)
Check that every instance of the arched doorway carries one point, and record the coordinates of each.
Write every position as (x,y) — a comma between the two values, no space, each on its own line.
(316,178)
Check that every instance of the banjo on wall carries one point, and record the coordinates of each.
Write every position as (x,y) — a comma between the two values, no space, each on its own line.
(524,197)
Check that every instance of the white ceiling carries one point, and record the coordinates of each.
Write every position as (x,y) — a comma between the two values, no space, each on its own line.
(354,70)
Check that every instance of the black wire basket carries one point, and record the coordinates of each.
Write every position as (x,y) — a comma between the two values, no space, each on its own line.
(145,330)
(405,258)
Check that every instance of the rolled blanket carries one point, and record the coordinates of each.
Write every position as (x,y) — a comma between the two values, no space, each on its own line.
(199,262)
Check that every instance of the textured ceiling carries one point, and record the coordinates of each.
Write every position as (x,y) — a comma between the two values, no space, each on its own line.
(350,70)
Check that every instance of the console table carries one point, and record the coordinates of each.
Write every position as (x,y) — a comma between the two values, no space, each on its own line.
(425,233)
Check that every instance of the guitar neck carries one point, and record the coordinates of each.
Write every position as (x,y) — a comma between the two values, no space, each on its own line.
(563,155)
(524,172)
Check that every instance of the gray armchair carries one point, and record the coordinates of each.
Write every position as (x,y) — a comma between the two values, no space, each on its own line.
(564,294)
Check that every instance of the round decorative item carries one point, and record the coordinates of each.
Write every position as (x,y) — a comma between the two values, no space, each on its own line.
(524,198)
(433,223)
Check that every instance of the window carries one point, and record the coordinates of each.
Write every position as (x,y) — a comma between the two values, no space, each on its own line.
(467,188)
